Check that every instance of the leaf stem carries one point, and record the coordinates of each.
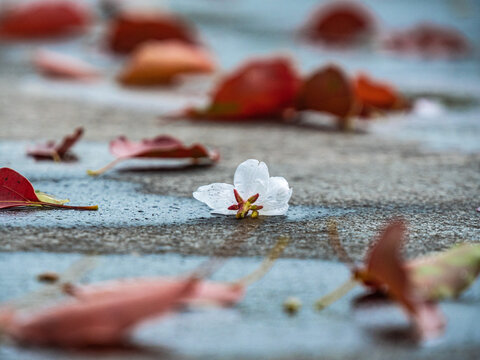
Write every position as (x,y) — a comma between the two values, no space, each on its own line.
(105,168)
(267,264)
(336,294)
(93,207)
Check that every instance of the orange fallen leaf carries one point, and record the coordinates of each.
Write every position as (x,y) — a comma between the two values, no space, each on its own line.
(262,88)
(130,29)
(56,65)
(160,62)
(373,94)
(44,19)
(340,23)
(328,90)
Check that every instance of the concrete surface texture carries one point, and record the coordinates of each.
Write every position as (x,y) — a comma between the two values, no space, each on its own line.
(426,170)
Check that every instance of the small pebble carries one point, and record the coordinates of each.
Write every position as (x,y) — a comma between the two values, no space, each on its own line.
(292,305)
(47,277)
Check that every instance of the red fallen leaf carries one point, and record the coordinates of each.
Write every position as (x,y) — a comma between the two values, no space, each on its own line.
(160,62)
(429,40)
(340,23)
(373,94)
(96,322)
(161,147)
(329,90)
(53,151)
(131,29)
(44,19)
(17,191)
(385,272)
(53,64)
(262,88)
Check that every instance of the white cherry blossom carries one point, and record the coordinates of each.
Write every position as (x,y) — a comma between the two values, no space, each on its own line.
(253,190)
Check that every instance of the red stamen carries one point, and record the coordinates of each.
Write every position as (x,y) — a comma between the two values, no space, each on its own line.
(253,198)
(237,196)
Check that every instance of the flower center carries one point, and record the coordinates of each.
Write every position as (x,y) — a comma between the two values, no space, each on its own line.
(244,207)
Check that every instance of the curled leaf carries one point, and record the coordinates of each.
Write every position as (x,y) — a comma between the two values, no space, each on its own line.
(44,19)
(375,95)
(17,191)
(56,65)
(130,29)
(53,151)
(160,62)
(161,147)
(340,23)
(428,40)
(263,88)
(328,90)
(385,272)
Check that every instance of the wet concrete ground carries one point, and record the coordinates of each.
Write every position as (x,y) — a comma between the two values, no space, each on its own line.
(360,180)
(257,327)
(426,170)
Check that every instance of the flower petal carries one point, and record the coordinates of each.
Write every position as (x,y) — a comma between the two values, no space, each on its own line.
(217,196)
(251,177)
(275,201)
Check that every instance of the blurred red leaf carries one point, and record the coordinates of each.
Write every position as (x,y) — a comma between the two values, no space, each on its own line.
(131,29)
(161,147)
(328,90)
(17,191)
(44,19)
(263,88)
(377,95)
(222,294)
(96,321)
(331,91)
(56,65)
(53,151)
(340,23)
(160,62)
(385,272)
(428,40)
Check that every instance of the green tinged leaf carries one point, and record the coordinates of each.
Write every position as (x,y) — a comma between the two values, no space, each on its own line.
(49,198)
(446,274)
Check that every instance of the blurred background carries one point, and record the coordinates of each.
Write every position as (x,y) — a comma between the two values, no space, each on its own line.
(438,62)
